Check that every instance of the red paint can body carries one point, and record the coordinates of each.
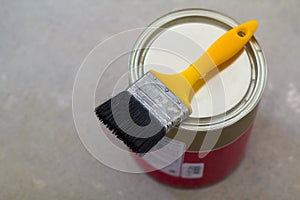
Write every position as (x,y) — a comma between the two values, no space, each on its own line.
(216,165)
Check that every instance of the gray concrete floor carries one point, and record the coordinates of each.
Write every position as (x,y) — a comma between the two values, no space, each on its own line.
(43,43)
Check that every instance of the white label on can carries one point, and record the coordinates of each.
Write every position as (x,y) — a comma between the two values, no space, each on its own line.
(192,170)
(166,156)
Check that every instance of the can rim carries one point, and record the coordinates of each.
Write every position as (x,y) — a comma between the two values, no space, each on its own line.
(256,58)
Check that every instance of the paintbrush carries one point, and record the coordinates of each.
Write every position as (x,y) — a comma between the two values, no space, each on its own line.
(141,115)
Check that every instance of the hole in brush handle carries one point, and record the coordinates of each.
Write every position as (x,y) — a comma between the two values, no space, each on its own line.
(242,32)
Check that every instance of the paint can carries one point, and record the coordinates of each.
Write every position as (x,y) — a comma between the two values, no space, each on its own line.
(211,143)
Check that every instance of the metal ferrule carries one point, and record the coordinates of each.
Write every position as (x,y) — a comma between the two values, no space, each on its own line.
(159,100)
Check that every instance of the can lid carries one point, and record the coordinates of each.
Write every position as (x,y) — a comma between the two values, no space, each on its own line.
(174,41)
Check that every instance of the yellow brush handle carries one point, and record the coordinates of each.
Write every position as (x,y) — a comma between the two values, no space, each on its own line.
(223,49)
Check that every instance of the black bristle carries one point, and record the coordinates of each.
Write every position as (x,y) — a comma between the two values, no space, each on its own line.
(138,129)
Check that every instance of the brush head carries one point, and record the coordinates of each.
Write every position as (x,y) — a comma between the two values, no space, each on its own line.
(143,114)
(132,130)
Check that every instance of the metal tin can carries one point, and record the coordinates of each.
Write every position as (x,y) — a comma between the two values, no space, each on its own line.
(204,158)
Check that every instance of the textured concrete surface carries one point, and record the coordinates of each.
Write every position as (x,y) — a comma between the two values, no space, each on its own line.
(43,43)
